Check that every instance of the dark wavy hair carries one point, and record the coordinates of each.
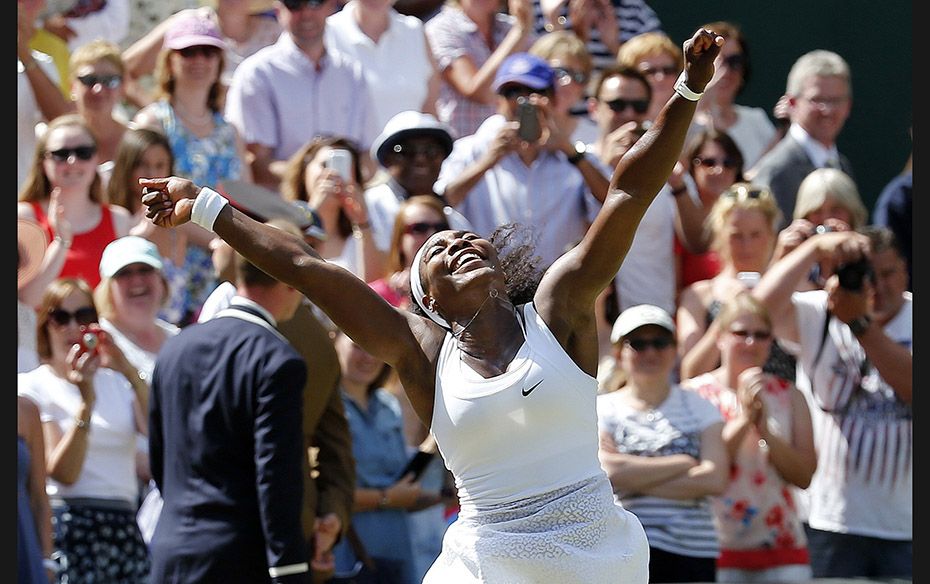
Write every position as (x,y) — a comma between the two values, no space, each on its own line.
(516,250)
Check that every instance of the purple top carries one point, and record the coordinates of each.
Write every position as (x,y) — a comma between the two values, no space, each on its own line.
(279,98)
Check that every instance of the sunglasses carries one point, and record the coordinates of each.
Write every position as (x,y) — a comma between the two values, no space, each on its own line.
(425,227)
(108,81)
(140,271)
(411,151)
(658,343)
(668,70)
(204,50)
(744,192)
(79,152)
(711,162)
(83,316)
(734,61)
(295,5)
(566,75)
(512,92)
(618,105)
(754,335)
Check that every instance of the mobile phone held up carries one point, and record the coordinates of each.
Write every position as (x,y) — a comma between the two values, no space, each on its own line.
(340,160)
(528,116)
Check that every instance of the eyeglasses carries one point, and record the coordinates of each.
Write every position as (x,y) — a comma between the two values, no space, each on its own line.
(425,227)
(411,150)
(204,50)
(754,335)
(566,76)
(83,316)
(668,70)
(744,192)
(618,105)
(143,270)
(108,81)
(79,152)
(735,61)
(295,5)
(657,343)
(512,92)
(711,162)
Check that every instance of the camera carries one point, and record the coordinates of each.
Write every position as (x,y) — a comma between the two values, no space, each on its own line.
(90,338)
(823,229)
(852,275)
(340,160)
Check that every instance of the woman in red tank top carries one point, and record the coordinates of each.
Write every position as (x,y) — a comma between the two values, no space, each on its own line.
(64,194)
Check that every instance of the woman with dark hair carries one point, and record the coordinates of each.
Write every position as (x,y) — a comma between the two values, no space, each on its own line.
(313,176)
(503,379)
(713,160)
(750,127)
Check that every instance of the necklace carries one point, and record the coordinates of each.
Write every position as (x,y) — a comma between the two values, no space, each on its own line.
(200,120)
(458,335)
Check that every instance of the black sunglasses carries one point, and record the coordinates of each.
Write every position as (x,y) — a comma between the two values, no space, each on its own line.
(668,70)
(108,81)
(411,150)
(734,61)
(143,270)
(618,105)
(711,162)
(658,343)
(578,77)
(424,227)
(83,316)
(514,91)
(743,192)
(295,5)
(205,50)
(754,335)
(79,152)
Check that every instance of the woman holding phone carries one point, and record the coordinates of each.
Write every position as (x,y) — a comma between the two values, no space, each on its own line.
(326,173)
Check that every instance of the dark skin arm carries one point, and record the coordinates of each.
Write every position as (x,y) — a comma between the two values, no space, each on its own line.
(403,340)
(566,295)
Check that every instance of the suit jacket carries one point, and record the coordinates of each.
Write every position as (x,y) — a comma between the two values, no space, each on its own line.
(324,424)
(783,168)
(225,420)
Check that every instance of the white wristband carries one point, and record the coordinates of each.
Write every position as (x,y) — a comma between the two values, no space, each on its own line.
(207,207)
(682,89)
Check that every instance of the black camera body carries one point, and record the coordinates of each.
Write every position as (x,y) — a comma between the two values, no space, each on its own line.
(852,275)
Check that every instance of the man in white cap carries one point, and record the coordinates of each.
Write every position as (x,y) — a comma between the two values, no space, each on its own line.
(411,149)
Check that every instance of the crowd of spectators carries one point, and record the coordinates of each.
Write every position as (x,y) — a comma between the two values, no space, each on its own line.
(755,348)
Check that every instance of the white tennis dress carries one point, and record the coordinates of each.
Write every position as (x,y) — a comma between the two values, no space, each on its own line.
(535,504)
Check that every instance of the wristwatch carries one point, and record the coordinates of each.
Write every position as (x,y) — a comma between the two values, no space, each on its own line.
(858,326)
(580,150)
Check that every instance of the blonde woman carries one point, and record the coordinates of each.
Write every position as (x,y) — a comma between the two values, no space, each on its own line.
(657,57)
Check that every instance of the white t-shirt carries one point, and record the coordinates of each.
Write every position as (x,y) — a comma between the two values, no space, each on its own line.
(383,202)
(109,469)
(397,67)
(863,431)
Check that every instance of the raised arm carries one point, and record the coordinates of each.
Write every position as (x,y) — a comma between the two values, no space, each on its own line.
(577,277)
(383,331)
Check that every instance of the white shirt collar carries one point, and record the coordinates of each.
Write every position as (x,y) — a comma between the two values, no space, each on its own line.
(242,301)
(817,152)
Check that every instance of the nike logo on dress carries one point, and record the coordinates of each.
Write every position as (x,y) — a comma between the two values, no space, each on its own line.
(527,392)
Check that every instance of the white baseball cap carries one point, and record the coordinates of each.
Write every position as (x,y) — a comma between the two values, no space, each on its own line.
(130,249)
(640,315)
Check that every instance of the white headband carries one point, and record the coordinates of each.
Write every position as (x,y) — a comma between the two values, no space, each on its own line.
(416,287)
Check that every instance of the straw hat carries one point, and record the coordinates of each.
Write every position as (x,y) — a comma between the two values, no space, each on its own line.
(31,241)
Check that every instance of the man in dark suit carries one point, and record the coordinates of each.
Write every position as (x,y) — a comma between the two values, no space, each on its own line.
(819,101)
(225,444)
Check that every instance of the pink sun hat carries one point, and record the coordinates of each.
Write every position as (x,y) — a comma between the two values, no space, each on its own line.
(192,30)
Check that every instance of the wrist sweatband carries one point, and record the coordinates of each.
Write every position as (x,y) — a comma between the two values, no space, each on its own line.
(207,207)
(682,89)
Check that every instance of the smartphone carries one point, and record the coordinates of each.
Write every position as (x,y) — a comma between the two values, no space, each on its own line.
(750,279)
(417,464)
(340,160)
(530,130)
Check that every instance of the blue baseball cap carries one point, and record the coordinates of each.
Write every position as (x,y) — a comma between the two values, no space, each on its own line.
(524,69)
